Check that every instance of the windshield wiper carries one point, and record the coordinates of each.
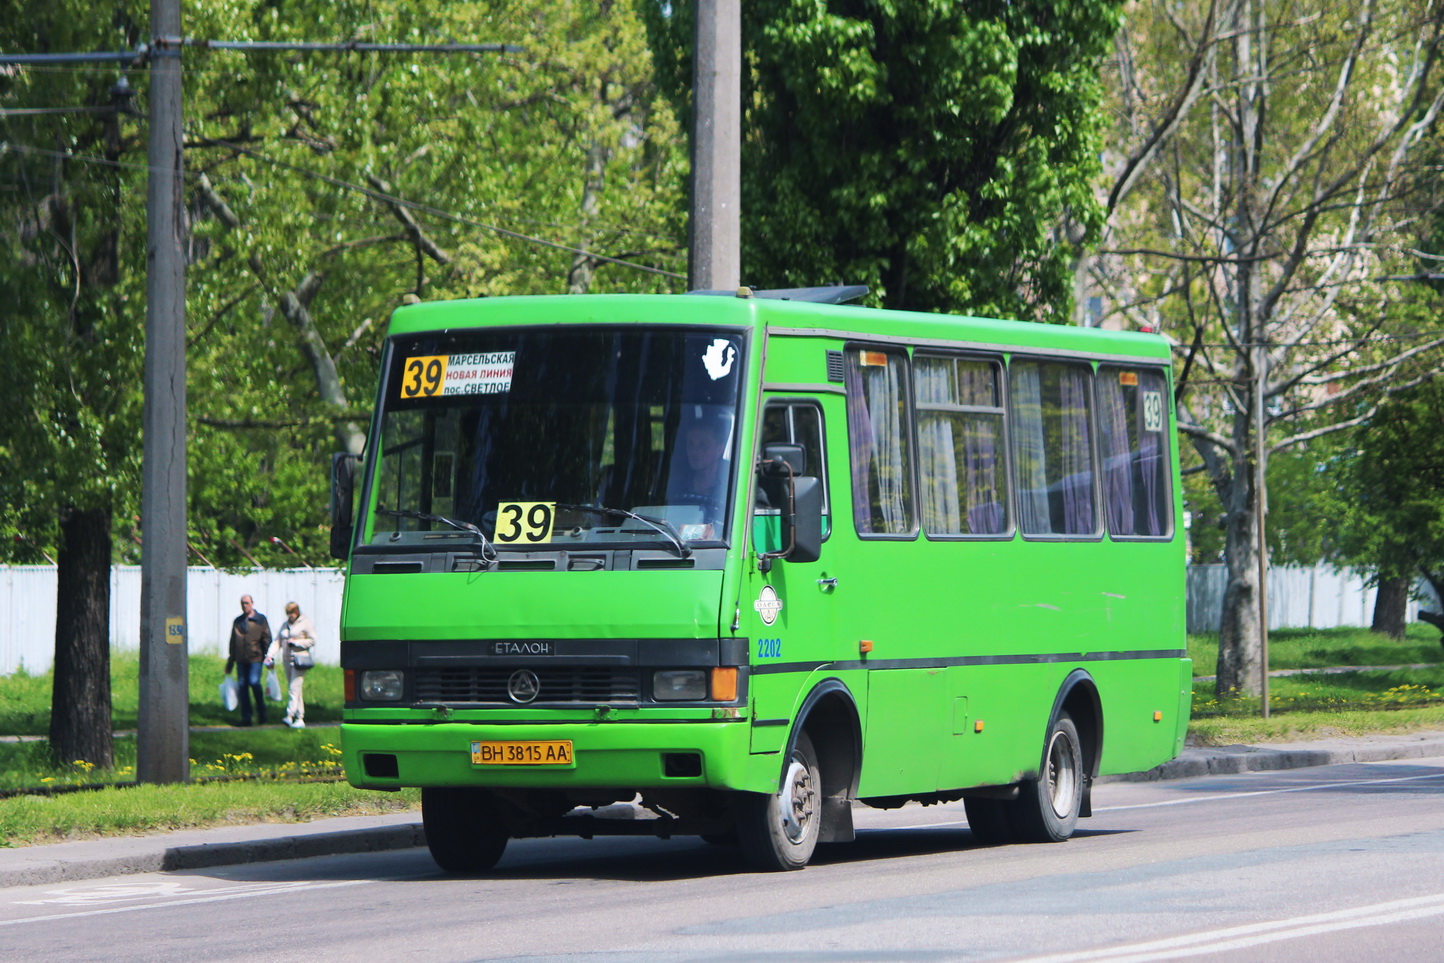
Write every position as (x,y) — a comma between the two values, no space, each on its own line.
(660,524)
(488,551)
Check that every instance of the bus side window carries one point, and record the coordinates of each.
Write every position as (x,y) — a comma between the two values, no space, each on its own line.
(962,474)
(1133,435)
(878,432)
(1053,448)
(798,423)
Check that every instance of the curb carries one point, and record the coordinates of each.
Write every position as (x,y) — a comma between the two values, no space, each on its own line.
(93,859)
(1227,760)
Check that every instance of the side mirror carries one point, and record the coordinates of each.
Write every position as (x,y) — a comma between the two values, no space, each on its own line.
(343,485)
(780,460)
(799,497)
(806,520)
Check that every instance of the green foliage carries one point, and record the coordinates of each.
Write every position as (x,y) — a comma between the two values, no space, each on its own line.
(941,153)
(300,169)
(1393,486)
(71,257)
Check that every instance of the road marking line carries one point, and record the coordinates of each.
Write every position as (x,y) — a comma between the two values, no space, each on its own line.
(1256,934)
(1193,799)
(1271,792)
(246,891)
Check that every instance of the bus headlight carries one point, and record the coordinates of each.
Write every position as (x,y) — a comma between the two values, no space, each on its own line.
(679,685)
(381,685)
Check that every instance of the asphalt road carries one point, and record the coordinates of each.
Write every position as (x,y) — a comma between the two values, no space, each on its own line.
(1331,863)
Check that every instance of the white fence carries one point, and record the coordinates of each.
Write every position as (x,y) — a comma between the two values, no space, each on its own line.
(1298,598)
(27,609)
(1316,598)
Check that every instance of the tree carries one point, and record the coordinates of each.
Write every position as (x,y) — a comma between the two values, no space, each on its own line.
(941,153)
(1265,184)
(364,181)
(1393,487)
(323,190)
(70,350)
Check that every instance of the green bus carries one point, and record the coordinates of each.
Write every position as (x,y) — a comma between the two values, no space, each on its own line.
(742,563)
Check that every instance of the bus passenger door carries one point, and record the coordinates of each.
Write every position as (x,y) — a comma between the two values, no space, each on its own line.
(792,622)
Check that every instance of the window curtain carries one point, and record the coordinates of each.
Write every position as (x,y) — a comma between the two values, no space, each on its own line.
(937,459)
(986,491)
(880,468)
(1028,447)
(1117,454)
(1077,451)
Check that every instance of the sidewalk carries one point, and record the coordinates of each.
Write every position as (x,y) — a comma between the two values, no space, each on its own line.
(232,845)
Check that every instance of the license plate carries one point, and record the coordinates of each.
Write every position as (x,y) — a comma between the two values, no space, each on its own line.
(536,752)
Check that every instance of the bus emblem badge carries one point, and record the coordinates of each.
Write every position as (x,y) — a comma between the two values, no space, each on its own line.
(523,686)
(767,605)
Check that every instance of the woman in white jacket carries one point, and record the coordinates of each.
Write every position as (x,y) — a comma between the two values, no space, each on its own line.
(296,634)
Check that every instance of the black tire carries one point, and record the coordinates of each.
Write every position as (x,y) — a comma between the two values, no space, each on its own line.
(1046,811)
(779,831)
(988,819)
(463,830)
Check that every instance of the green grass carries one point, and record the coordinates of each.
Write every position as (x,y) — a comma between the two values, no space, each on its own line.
(1325,705)
(275,762)
(1322,648)
(30,820)
(25,699)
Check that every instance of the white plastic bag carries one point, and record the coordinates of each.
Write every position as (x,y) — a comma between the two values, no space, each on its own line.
(273,686)
(230,693)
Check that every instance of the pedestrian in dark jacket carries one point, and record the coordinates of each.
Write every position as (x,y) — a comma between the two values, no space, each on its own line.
(250,638)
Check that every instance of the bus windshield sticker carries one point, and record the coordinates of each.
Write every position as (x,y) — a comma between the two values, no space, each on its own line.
(1152,410)
(718,358)
(767,605)
(527,523)
(872,359)
(440,375)
(1128,379)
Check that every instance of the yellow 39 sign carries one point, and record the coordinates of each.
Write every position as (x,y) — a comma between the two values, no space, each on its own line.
(524,522)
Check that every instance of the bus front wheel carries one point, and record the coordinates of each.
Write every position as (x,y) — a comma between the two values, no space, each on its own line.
(1046,811)
(463,830)
(779,831)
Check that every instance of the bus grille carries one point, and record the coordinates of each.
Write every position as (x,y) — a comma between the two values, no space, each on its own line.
(558,684)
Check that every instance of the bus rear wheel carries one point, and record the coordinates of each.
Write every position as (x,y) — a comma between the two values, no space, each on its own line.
(1046,810)
(463,829)
(780,831)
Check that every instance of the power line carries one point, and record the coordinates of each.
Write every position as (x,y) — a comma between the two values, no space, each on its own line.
(143,53)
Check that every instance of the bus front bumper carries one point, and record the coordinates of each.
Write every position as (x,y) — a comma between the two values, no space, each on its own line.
(711,755)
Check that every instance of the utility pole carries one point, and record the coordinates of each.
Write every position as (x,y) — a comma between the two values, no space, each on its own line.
(715,261)
(163,740)
(1260,490)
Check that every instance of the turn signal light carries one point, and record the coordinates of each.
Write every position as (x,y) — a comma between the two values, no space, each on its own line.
(724,684)
(1158,717)
(864,646)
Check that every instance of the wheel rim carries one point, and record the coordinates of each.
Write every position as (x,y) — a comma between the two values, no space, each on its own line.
(796,803)
(1062,774)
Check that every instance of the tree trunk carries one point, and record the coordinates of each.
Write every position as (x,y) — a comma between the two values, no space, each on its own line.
(1240,649)
(80,724)
(1391,607)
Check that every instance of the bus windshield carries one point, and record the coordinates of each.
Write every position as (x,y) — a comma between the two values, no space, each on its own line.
(545,438)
